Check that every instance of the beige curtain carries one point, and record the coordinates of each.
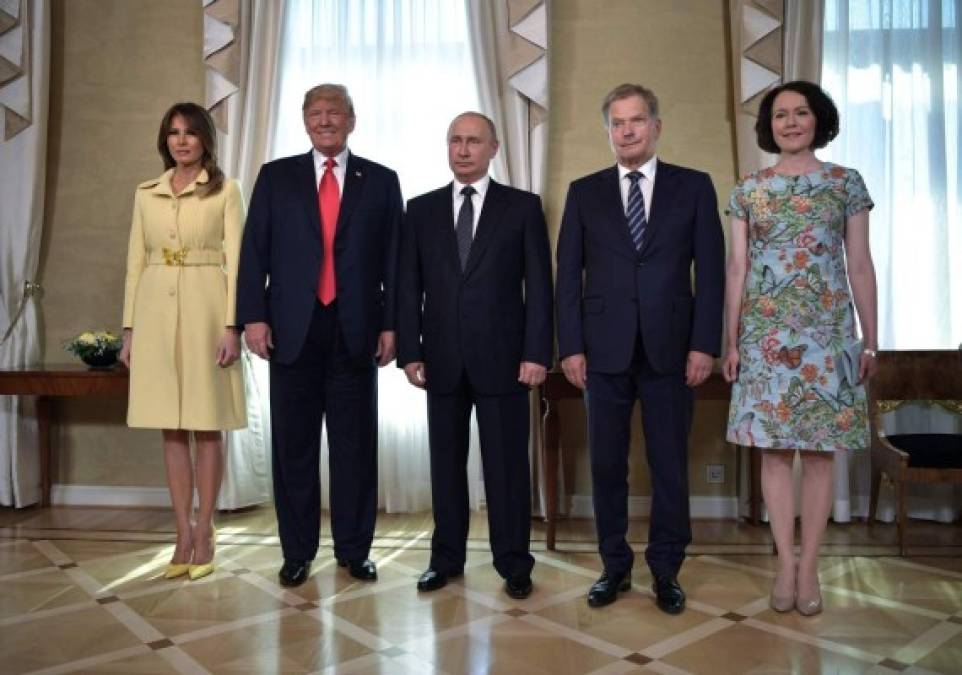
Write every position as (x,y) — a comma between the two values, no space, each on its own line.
(509,44)
(24,85)
(241,50)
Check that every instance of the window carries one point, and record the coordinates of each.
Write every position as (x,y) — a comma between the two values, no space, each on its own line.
(408,67)
(892,67)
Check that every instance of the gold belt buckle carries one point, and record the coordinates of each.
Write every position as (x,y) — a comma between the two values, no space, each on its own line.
(174,257)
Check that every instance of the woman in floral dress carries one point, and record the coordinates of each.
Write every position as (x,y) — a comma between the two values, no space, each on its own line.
(792,350)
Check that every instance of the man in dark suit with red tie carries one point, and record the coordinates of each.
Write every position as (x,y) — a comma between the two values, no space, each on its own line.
(475,329)
(316,296)
(631,327)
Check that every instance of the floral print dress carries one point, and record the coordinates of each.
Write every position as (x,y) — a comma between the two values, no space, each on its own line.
(797,385)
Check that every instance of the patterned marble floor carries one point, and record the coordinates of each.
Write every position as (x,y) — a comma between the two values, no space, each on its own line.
(80,591)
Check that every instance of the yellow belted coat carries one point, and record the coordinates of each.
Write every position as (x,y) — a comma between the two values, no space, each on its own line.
(180,295)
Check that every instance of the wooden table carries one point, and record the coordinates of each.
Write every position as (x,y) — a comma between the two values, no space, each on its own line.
(47,382)
(556,388)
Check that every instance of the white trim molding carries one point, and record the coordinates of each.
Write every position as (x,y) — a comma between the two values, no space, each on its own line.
(109,495)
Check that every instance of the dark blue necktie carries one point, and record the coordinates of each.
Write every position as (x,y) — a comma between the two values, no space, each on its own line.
(464,229)
(635,210)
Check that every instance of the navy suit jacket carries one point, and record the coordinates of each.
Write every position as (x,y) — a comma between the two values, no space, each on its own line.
(282,250)
(608,292)
(488,319)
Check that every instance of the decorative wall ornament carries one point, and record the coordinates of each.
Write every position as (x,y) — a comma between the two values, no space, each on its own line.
(15,91)
(222,56)
(758,60)
(528,55)
(761,50)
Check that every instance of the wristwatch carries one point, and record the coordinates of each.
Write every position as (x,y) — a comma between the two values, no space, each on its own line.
(870,352)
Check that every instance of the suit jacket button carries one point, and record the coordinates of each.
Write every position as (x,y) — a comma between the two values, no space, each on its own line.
(172,292)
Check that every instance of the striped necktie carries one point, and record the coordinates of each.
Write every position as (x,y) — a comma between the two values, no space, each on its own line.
(635,210)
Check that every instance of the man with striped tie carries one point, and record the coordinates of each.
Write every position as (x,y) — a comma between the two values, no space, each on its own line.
(630,327)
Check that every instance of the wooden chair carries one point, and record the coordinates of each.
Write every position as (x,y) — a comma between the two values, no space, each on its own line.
(905,376)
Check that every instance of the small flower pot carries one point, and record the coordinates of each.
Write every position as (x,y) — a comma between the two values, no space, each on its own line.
(107,359)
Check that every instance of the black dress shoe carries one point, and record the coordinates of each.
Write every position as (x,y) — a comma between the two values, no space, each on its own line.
(605,590)
(365,570)
(294,572)
(668,594)
(518,587)
(433,579)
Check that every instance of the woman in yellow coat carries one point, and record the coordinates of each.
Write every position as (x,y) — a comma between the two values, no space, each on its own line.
(180,341)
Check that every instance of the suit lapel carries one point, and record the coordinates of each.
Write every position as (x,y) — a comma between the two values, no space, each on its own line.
(614,208)
(487,224)
(660,199)
(308,190)
(353,187)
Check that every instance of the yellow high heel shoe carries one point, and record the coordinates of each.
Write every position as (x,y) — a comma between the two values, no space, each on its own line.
(196,572)
(174,570)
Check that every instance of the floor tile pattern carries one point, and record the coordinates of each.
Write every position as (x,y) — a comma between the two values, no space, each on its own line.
(82,591)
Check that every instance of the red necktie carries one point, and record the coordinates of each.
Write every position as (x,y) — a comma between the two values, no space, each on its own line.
(329,203)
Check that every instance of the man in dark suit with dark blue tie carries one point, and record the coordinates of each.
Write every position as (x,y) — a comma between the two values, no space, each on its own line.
(630,327)
(475,329)
(316,296)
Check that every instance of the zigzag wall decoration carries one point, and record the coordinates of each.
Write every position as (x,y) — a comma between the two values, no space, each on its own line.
(528,21)
(761,51)
(15,86)
(222,56)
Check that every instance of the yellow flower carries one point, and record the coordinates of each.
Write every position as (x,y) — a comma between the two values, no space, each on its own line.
(87,338)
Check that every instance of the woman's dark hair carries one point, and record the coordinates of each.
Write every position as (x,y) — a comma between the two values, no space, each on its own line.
(200,123)
(821,104)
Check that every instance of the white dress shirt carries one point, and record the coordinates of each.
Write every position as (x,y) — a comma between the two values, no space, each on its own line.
(647,183)
(477,199)
(339,171)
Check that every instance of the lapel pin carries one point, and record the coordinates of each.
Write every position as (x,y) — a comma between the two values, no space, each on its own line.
(357,173)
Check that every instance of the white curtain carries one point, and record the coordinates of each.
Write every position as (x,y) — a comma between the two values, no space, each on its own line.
(892,67)
(408,67)
(241,51)
(25,46)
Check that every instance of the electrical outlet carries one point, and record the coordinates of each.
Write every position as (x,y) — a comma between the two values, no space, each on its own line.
(715,473)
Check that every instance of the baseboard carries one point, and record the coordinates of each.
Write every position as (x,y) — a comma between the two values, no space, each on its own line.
(109,495)
(581,506)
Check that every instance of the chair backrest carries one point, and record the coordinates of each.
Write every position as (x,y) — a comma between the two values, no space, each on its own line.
(916,375)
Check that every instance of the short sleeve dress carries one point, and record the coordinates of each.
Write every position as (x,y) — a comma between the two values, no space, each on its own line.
(797,385)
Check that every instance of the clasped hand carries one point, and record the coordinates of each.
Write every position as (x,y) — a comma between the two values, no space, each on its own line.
(529,374)
(697,369)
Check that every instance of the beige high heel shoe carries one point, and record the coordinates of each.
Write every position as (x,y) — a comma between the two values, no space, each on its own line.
(809,606)
(781,603)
